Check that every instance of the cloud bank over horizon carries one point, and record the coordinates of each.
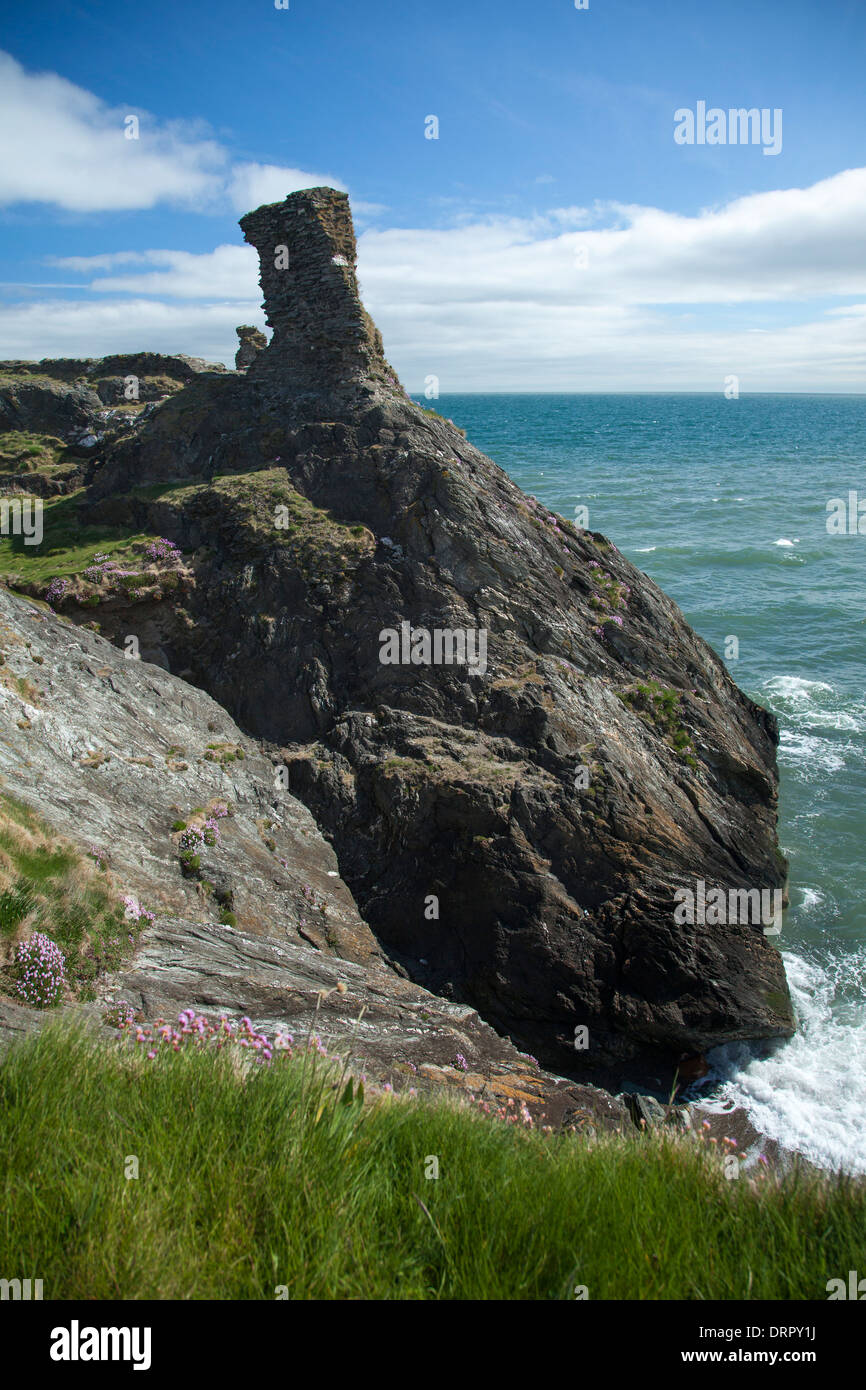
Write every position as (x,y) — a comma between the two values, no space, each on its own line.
(770,286)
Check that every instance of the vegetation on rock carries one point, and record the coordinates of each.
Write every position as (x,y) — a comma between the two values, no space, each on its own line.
(48,889)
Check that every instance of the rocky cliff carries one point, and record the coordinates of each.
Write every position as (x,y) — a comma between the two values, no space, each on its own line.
(514,826)
(117,759)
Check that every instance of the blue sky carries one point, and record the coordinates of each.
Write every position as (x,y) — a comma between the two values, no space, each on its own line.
(554,237)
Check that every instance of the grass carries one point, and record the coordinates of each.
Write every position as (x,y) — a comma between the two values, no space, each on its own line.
(67,547)
(21,686)
(22,451)
(22,377)
(47,886)
(434,415)
(251,1180)
(265,503)
(321,546)
(223,753)
(67,551)
(660,706)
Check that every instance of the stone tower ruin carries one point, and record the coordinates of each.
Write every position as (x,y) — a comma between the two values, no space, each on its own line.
(324,342)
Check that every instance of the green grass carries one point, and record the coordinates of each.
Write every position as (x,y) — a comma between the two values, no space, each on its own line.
(249,1181)
(223,753)
(22,451)
(317,541)
(22,378)
(322,546)
(47,886)
(434,415)
(67,546)
(660,706)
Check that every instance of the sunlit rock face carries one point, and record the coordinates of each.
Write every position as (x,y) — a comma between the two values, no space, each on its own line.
(251,341)
(516,836)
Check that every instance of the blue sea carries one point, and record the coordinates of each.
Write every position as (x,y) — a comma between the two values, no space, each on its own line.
(724,504)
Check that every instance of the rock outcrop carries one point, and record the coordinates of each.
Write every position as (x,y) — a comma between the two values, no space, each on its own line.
(49,407)
(64,398)
(251,342)
(113,752)
(514,835)
(109,752)
(177,366)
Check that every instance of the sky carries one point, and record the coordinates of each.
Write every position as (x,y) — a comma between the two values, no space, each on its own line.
(566,230)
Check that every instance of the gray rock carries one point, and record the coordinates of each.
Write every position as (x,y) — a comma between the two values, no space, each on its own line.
(252,342)
(111,752)
(557,903)
(648,1113)
(107,750)
(48,407)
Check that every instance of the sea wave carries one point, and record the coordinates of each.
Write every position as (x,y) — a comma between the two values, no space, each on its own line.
(809,755)
(814,704)
(809,1094)
(812,898)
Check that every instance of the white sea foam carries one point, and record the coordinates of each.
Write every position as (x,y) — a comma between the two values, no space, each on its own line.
(644,549)
(813,705)
(812,898)
(810,1093)
(809,755)
(798,688)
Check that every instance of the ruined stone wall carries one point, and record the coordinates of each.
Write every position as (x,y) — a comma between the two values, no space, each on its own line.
(324,342)
(252,342)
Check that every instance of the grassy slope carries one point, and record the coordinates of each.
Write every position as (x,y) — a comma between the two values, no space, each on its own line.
(67,546)
(47,886)
(22,451)
(248,1184)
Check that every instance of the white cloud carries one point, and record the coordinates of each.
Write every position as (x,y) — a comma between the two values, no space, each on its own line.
(254,184)
(62,145)
(227,272)
(488,348)
(607,297)
(548,349)
(791,244)
(66,328)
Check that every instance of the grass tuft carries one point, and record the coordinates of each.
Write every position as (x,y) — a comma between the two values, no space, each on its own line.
(47,886)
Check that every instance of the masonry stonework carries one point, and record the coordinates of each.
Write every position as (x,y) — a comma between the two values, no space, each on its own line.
(324,342)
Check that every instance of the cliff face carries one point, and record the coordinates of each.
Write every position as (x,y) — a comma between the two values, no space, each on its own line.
(113,755)
(514,833)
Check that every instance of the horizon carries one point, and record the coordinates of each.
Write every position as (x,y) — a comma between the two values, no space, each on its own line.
(445,395)
(582,202)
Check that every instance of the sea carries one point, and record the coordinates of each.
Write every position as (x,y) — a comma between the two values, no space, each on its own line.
(724,503)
